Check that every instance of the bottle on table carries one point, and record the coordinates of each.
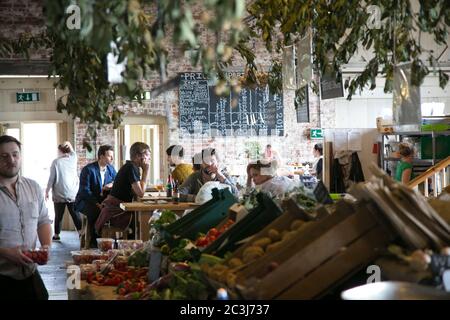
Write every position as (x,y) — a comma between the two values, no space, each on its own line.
(175,193)
(169,186)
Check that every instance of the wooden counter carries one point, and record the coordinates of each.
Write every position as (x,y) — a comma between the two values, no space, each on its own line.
(144,210)
(151,206)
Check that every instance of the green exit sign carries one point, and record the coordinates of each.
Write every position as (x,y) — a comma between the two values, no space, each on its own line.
(145,95)
(27,97)
(316,133)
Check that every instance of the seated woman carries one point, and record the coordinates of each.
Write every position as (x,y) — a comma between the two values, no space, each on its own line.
(264,177)
(404,172)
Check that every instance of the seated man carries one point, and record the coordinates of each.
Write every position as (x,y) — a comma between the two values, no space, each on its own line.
(209,171)
(96,180)
(265,179)
(127,184)
(181,170)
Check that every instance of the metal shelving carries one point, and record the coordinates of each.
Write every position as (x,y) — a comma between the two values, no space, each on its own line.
(416,162)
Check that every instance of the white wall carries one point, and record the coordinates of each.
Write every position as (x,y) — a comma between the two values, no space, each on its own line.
(364,108)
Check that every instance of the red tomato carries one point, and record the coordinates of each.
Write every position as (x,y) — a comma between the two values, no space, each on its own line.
(213,232)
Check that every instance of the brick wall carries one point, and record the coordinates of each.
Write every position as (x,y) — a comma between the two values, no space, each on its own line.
(26,16)
(22,16)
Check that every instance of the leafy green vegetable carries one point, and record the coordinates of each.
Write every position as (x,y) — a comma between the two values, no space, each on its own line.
(167,217)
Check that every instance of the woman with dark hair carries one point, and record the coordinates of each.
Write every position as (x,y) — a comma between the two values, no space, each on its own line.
(404,171)
(318,163)
(264,178)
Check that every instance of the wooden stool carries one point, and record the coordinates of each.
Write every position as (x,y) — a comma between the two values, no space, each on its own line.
(110,232)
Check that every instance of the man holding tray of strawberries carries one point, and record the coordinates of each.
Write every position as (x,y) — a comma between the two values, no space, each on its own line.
(23,219)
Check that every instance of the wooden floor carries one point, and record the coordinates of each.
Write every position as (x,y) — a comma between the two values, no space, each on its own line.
(54,273)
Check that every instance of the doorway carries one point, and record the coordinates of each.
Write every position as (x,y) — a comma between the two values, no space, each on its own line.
(40,141)
(149,134)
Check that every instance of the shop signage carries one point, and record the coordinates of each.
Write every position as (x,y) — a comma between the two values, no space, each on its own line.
(145,96)
(302,104)
(331,86)
(317,133)
(22,97)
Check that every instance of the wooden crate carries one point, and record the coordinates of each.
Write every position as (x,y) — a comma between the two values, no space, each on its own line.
(320,256)
(259,268)
(281,223)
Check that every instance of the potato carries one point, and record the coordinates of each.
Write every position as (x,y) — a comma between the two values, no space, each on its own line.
(273,246)
(297,224)
(235,262)
(231,280)
(274,235)
(223,276)
(252,255)
(288,235)
(263,242)
(253,249)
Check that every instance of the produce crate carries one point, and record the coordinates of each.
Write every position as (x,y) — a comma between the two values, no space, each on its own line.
(324,254)
(291,206)
(283,222)
(202,218)
(253,222)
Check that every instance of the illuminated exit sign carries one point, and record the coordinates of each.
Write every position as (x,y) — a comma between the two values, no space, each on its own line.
(22,97)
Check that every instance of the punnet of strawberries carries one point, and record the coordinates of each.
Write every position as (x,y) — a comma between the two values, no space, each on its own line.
(212,235)
(39,256)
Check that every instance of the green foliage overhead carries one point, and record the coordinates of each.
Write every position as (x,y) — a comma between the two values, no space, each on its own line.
(143,32)
(341,27)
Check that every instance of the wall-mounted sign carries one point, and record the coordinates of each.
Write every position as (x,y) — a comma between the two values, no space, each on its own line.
(331,86)
(145,95)
(304,68)
(406,109)
(316,133)
(302,104)
(257,112)
(22,97)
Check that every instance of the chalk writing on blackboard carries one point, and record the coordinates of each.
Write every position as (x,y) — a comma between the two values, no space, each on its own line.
(302,104)
(331,86)
(256,111)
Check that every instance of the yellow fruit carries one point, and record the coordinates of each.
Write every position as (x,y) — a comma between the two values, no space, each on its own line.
(231,280)
(273,247)
(251,253)
(297,224)
(263,242)
(289,235)
(274,235)
(235,262)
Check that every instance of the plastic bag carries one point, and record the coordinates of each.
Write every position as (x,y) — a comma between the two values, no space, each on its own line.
(205,192)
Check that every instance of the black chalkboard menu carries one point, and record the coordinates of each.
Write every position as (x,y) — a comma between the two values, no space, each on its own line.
(257,111)
(302,104)
(331,87)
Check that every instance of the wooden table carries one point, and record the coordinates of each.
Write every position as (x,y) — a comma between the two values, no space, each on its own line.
(144,210)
